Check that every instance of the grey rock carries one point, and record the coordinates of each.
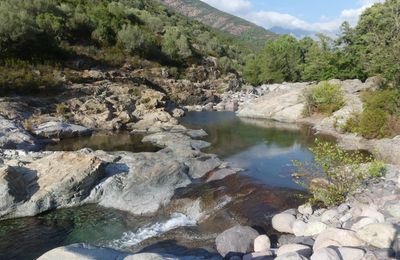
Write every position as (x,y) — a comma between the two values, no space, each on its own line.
(60,130)
(329,215)
(220,174)
(305,209)
(197,133)
(84,252)
(238,240)
(267,255)
(60,179)
(326,254)
(140,182)
(295,248)
(14,136)
(351,253)
(291,239)
(291,256)
(202,165)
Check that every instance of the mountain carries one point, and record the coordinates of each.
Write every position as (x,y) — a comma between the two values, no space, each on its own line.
(298,33)
(246,31)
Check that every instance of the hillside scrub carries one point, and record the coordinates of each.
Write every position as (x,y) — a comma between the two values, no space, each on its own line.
(323,98)
(336,173)
(54,31)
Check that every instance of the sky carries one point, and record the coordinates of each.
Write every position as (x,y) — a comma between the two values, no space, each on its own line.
(309,15)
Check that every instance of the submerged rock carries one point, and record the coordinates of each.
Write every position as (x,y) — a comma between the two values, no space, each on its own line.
(60,130)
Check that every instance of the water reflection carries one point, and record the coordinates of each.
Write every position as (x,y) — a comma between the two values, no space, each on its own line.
(265,149)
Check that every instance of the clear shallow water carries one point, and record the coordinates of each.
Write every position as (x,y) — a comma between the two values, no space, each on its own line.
(265,149)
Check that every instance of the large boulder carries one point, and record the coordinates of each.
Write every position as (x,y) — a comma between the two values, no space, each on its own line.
(14,136)
(238,240)
(60,179)
(140,182)
(380,235)
(60,130)
(262,243)
(326,254)
(285,105)
(84,252)
(337,237)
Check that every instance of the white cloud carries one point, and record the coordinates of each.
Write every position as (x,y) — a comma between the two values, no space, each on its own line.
(230,6)
(269,19)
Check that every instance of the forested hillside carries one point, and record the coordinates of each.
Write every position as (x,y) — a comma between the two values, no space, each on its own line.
(40,39)
(249,33)
(371,48)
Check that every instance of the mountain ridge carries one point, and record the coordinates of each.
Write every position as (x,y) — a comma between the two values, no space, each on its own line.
(246,31)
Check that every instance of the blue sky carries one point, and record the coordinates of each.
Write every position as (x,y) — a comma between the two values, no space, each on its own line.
(310,15)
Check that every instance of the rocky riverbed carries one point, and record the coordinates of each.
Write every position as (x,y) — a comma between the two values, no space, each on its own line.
(33,181)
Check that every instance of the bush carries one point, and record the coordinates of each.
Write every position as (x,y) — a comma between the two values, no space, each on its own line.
(381,115)
(373,123)
(336,173)
(176,45)
(324,98)
(135,40)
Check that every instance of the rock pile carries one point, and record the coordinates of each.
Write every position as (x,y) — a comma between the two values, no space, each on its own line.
(365,227)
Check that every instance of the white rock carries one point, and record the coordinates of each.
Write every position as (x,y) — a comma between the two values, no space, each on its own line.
(291,256)
(329,215)
(362,223)
(295,248)
(351,253)
(262,243)
(370,212)
(337,237)
(305,209)
(326,254)
(380,235)
(301,228)
(346,217)
(283,222)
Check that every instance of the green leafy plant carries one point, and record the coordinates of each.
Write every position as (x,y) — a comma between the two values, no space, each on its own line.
(323,98)
(335,173)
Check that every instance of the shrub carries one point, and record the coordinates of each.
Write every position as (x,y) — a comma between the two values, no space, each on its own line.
(135,40)
(324,98)
(373,123)
(381,115)
(336,173)
(176,45)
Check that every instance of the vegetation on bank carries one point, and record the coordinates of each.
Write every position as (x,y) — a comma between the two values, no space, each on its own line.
(335,173)
(323,98)
(42,34)
(371,48)
(380,117)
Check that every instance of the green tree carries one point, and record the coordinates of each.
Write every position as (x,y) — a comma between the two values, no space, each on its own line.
(175,44)
(135,40)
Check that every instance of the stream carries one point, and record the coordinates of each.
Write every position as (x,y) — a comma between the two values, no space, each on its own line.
(265,151)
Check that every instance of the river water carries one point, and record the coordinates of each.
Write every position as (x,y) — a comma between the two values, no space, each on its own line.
(265,151)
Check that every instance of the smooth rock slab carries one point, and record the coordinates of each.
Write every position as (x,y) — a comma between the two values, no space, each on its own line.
(380,235)
(238,240)
(351,253)
(14,136)
(295,248)
(60,130)
(283,222)
(291,256)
